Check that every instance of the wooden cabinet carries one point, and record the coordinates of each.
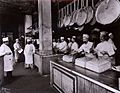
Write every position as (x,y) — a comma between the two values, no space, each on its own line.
(67,84)
(86,86)
(57,78)
(63,81)
(66,80)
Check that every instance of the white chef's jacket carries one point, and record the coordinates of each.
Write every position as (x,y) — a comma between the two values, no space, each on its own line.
(63,46)
(69,44)
(8,59)
(16,48)
(105,46)
(110,41)
(28,52)
(54,44)
(74,46)
(86,47)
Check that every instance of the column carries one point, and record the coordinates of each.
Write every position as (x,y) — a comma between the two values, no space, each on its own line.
(45,29)
(42,59)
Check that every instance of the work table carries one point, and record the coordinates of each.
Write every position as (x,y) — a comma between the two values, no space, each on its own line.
(107,80)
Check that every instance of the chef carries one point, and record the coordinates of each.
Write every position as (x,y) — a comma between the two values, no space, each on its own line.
(104,48)
(69,44)
(63,45)
(110,40)
(84,49)
(73,49)
(8,57)
(17,47)
(87,45)
(74,46)
(29,50)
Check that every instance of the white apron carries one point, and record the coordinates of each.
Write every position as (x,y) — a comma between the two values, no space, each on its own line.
(28,52)
(8,59)
(16,48)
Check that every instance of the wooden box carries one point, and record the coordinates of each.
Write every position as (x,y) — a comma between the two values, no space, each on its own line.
(67,58)
(98,65)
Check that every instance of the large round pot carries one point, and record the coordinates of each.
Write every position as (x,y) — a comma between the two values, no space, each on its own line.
(89,11)
(67,21)
(81,17)
(63,21)
(73,18)
(108,11)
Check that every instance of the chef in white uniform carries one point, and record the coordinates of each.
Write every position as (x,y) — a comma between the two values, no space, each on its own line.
(73,49)
(84,49)
(8,57)
(17,47)
(69,43)
(63,45)
(29,50)
(74,46)
(110,40)
(87,45)
(104,48)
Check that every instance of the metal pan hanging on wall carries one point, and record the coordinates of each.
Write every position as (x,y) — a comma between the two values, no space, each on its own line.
(81,16)
(67,21)
(89,11)
(63,21)
(108,11)
(73,18)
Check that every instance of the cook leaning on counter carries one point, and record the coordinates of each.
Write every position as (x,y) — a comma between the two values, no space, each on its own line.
(80,52)
(104,50)
(84,49)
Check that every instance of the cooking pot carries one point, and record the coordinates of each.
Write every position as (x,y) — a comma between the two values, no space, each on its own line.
(81,16)
(67,21)
(73,18)
(89,11)
(62,22)
(108,11)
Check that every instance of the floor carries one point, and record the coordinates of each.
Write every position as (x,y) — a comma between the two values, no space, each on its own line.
(28,81)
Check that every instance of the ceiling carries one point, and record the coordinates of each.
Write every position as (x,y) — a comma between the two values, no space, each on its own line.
(18,6)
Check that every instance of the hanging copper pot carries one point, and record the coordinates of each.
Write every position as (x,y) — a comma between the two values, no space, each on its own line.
(62,22)
(68,17)
(108,11)
(94,10)
(67,21)
(81,15)
(89,11)
(73,18)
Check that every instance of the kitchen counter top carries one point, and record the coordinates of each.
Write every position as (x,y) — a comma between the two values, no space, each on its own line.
(107,79)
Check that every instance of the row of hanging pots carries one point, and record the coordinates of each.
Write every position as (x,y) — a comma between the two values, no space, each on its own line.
(104,12)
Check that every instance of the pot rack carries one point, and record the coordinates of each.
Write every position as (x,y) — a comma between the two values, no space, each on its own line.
(75,5)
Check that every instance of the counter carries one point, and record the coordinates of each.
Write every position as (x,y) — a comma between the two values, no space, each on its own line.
(68,78)
(43,62)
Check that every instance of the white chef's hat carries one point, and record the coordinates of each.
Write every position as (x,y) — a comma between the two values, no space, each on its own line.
(61,38)
(68,38)
(5,39)
(96,29)
(110,34)
(28,40)
(85,35)
(103,33)
(73,36)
